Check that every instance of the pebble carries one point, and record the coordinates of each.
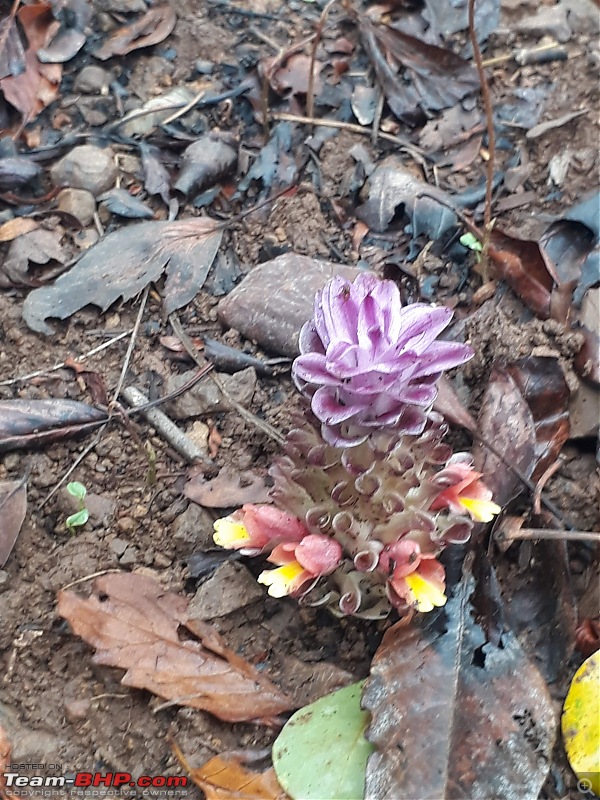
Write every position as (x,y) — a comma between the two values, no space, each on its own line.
(79,203)
(230,588)
(194,527)
(126,525)
(162,561)
(92,80)
(275,299)
(86,167)
(129,557)
(28,744)
(122,6)
(204,67)
(118,546)
(3,580)
(206,398)
(77,710)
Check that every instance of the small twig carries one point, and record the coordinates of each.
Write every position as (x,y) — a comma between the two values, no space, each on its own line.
(166,427)
(411,149)
(489,116)
(89,578)
(310,93)
(192,351)
(129,352)
(543,533)
(377,118)
(543,480)
(79,359)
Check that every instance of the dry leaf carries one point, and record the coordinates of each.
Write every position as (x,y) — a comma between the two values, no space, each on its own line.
(32,423)
(214,441)
(226,779)
(124,263)
(153,27)
(227,489)
(37,246)
(454,716)
(12,53)
(13,507)
(16,227)
(38,85)
(134,624)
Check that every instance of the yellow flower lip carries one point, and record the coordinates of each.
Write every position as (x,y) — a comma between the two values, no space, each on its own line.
(480,510)
(427,596)
(281,580)
(230,533)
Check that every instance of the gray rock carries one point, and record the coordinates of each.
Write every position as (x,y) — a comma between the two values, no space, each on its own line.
(122,6)
(78,202)
(29,745)
(118,546)
(129,557)
(194,527)
(4,580)
(275,299)
(206,398)
(230,588)
(86,167)
(92,80)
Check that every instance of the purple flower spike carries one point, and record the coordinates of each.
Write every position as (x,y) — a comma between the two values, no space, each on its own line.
(367,363)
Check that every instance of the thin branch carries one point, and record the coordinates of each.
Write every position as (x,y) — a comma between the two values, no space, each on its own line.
(543,533)
(310,94)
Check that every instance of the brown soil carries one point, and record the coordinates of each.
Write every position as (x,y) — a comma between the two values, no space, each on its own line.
(59,706)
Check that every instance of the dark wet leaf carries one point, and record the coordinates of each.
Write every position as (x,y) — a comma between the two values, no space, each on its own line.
(393,192)
(156,177)
(124,262)
(415,77)
(227,489)
(542,383)
(121,203)
(35,247)
(449,404)
(153,27)
(134,624)
(454,717)
(205,162)
(12,52)
(274,166)
(33,423)
(72,16)
(506,421)
(17,171)
(447,19)
(291,76)
(13,507)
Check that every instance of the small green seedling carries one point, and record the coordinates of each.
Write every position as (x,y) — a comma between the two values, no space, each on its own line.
(471,242)
(79,518)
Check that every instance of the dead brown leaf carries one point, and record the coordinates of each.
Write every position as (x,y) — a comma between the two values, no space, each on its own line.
(36,246)
(13,507)
(153,27)
(16,227)
(12,52)
(33,423)
(226,779)
(227,489)
(214,441)
(36,87)
(134,624)
(124,263)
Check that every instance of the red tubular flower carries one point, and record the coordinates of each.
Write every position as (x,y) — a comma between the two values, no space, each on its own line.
(299,563)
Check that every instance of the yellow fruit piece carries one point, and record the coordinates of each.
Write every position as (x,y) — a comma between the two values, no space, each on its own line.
(581,725)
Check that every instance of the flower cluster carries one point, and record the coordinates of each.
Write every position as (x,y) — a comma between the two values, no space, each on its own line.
(367,494)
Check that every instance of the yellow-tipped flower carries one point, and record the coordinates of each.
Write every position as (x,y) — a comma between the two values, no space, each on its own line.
(284,580)
(230,533)
(479,509)
(425,595)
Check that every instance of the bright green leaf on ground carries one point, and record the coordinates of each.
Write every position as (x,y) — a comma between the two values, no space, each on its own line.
(76,489)
(322,751)
(78,519)
(471,242)
(581,724)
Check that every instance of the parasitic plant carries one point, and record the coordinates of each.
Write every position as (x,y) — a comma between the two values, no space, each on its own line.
(367,493)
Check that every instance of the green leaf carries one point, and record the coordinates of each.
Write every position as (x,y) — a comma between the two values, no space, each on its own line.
(581,725)
(471,241)
(77,490)
(78,519)
(322,751)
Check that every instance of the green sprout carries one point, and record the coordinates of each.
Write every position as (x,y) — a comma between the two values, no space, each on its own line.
(79,518)
(471,242)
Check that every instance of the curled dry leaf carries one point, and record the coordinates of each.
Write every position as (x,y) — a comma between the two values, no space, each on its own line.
(205,162)
(133,623)
(156,177)
(454,716)
(35,246)
(153,27)
(413,75)
(13,507)
(123,204)
(32,423)
(227,489)
(16,227)
(226,779)
(124,263)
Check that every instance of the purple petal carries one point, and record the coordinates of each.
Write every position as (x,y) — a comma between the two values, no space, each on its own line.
(441,356)
(421,325)
(312,368)
(309,340)
(417,395)
(328,409)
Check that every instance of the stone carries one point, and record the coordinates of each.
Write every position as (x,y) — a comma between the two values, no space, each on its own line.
(77,710)
(230,588)
(584,412)
(79,203)
(29,745)
(118,546)
(86,167)
(206,398)
(194,527)
(4,580)
(275,299)
(92,80)
(129,557)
